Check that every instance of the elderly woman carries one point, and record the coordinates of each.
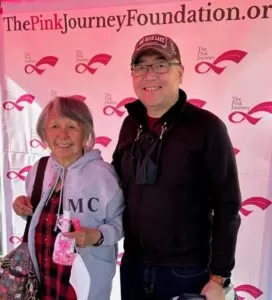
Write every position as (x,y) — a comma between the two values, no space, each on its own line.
(78,180)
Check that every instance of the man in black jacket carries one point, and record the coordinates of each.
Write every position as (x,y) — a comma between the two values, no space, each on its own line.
(179,176)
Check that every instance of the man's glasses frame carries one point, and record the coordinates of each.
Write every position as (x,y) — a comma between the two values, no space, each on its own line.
(157,68)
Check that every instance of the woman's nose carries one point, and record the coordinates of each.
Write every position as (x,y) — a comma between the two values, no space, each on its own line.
(63,131)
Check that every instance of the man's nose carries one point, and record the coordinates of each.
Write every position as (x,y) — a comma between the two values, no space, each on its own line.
(150,72)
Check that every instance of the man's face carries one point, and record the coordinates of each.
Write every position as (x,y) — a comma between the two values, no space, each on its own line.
(158,92)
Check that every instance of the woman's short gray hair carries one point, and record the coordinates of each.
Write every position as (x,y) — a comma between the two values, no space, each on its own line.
(73,109)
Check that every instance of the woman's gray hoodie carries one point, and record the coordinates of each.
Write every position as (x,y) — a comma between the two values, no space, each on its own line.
(92,194)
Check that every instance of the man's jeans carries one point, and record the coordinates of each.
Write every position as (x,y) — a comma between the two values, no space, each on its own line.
(143,282)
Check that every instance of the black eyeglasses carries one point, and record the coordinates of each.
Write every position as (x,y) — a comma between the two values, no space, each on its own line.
(158,68)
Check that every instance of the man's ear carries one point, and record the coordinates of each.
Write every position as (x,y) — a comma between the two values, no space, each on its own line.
(181,72)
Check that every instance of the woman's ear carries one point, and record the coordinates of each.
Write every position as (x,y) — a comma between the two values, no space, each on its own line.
(44,144)
(85,142)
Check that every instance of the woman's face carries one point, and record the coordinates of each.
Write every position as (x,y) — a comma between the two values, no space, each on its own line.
(65,138)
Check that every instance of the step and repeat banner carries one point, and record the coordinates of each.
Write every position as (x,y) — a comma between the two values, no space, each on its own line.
(226,48)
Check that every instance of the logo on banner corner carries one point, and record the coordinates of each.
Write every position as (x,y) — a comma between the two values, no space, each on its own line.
(21,174)
(259,202)
(18,103)
(85,64)
(39,66)
(240,113)
(115,107)
(249,290)
(209,63)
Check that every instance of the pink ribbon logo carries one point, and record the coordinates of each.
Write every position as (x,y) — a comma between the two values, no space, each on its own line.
(14,239)
(248,289)
(103,140)
(35,143)
(99,58)
(21,174)
(119,258)
(79,97)
(64,245)
(47,60)
(109,110)
(236,151)
(9,105)
(231,55)
(260,202)
(197,102)
(261,107)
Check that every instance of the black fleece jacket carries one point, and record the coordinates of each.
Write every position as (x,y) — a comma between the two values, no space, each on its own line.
(188,215)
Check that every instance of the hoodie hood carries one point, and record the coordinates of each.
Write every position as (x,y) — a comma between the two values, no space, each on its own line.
(88,156)
(59,172)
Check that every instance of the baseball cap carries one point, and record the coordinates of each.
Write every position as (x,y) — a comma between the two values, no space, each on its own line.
(161,44)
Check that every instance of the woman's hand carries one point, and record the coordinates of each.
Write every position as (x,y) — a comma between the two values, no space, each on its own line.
(22,206)
(84,236)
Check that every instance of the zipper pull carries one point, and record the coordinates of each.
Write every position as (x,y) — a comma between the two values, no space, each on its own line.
(139,131)
(163,129)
